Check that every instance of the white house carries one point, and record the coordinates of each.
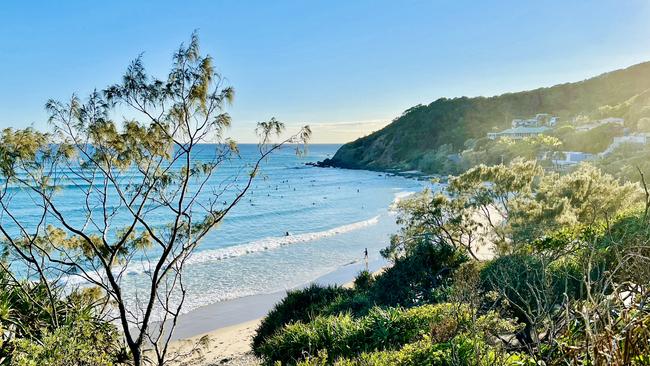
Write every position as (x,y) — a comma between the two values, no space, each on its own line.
(518,133)
(540,119)
(530,127)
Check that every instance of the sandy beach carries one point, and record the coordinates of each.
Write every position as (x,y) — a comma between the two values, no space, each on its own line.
(221,333)
(224,346)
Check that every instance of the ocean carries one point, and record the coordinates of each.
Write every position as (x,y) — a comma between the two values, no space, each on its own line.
(331,215)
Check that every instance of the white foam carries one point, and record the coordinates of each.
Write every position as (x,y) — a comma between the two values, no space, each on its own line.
(399,196)
(270,243)
(213,255)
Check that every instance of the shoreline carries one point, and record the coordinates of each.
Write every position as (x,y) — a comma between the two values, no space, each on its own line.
(221,333)
(243,309)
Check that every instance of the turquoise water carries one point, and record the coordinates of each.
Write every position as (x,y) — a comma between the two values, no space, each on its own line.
(331,215)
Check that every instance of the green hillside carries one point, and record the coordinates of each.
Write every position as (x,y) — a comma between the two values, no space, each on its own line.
(425,132)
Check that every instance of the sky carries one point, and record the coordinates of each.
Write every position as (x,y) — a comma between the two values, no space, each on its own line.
(346,68)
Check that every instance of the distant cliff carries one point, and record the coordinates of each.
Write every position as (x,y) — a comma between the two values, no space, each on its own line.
(424,133)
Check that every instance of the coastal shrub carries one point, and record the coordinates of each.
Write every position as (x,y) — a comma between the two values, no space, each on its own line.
(42,324)
(363,281)
(533,287)
(299,305)
(358,304)
(459,351)
(418,277)
(625,162)
(427,268)
(360,299)
(618,248)
(515,276)
(624,248)
(437,160)
(344,336)
(521,281)
(567,278)
(82,343)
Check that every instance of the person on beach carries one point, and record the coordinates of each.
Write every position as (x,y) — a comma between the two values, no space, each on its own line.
(365,258)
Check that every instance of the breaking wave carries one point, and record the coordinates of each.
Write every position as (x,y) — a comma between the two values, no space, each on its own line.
(212,255)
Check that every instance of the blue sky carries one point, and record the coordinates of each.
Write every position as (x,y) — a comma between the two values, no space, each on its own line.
(345,67)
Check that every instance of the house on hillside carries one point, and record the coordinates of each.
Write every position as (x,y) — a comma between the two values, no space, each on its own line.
(541,119)
(518,133)
(521,128)
(531,122)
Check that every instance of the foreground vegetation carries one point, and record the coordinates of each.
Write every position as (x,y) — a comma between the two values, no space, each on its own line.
(565,282)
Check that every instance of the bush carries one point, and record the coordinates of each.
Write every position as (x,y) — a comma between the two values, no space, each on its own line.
(624,249)
(360,299)
(363,281)
(462,350)
(592,141)
(418,277)
(567,278)
(358,304)
(521,280)
(516,276)
(299,305)
(45,325)
(344,336)
(83,343)
(532,287)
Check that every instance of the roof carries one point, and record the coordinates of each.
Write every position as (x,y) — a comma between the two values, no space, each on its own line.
(522,129)
(576,152)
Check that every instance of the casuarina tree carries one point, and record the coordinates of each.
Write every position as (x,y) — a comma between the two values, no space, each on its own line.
(145,196)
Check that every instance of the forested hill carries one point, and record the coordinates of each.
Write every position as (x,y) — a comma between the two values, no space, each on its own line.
(444,125)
